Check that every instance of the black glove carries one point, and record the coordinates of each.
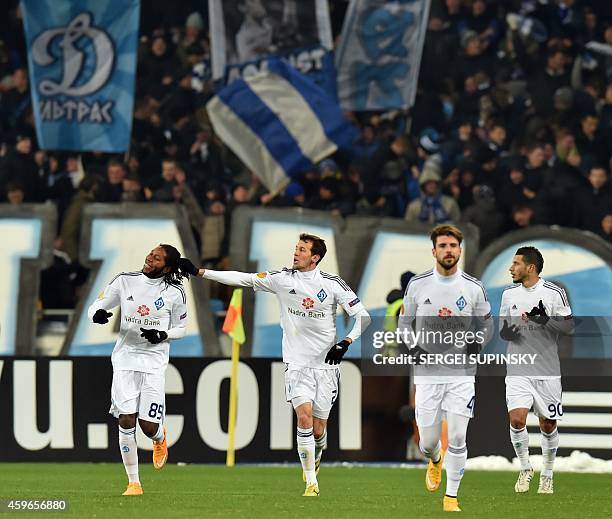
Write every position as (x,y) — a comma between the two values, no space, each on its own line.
(154,336)
(101,316)
(418,355)
(334,356)
(509,333)
(538,314)
(186,267)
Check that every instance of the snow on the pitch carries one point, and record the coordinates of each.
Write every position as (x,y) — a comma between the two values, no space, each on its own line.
(577,461)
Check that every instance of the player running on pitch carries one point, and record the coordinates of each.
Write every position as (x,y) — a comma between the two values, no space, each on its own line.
(534,313)
(153,311)
(308,298)
(432,298)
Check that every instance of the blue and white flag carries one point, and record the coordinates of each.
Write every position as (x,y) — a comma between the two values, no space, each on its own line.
(82,61)
(380,53)
(279,123)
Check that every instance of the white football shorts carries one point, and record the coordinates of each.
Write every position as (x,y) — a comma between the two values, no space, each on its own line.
(434,401)
(137,392)
(544,395)
(318,386)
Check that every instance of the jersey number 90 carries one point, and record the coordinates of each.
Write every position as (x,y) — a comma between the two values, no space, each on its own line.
(555,411)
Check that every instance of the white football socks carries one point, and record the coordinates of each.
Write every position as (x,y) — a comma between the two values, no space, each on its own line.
(159,435)
(455,466)
(550,443)
(306,452)
(520,442)
(129,453)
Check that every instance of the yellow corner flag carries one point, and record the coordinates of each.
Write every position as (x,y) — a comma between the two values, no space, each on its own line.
(233,319)
(234,328)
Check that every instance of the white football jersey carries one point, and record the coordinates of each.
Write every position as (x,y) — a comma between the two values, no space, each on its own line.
(430,300)
(145,303)
(516,301)
(308,302)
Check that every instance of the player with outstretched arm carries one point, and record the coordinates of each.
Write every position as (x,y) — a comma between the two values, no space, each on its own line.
(444,296)
(539,312)
(153,312)
(308,298)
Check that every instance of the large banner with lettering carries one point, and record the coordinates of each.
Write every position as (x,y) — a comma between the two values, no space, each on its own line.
(82,62)
(245,32)
(56,410)
(380,53)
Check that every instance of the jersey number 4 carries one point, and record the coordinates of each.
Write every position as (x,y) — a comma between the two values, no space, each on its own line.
(471,403)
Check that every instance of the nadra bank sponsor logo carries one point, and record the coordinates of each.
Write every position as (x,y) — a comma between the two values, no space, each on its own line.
(310,314)
(144,322)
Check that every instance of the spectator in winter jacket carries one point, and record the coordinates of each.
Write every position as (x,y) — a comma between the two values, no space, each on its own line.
(432,207)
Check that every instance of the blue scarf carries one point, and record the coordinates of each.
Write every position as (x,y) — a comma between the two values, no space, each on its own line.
(433,205)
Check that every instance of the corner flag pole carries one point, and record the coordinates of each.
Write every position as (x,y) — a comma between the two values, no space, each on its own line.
(231,436)
(234,328)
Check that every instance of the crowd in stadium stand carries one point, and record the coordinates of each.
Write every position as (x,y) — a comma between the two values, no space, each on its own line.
(512,127)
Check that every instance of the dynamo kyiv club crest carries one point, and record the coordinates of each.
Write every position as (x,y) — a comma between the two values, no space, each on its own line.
(461,302)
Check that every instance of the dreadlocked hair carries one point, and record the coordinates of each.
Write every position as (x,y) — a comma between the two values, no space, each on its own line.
(175,276)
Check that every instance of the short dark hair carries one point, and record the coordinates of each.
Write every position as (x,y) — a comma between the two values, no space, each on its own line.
(117,162)
(15,186)
(533,146)
(532,256)
(598,166)
(445,230)
(318,245)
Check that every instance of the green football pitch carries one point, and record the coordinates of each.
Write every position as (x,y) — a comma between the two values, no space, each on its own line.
(191,491)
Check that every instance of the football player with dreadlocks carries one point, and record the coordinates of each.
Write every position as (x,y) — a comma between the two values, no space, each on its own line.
(153,312)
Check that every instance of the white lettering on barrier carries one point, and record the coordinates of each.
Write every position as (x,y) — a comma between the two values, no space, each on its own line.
(208,400)
(282,433)
(20,239)
(59,434)
(350,406)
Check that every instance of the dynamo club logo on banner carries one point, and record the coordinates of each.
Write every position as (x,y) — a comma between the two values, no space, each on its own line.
(380,53)
(82,62)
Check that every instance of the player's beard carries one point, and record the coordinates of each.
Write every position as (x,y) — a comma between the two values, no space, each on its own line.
(153,274)
(448,265)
